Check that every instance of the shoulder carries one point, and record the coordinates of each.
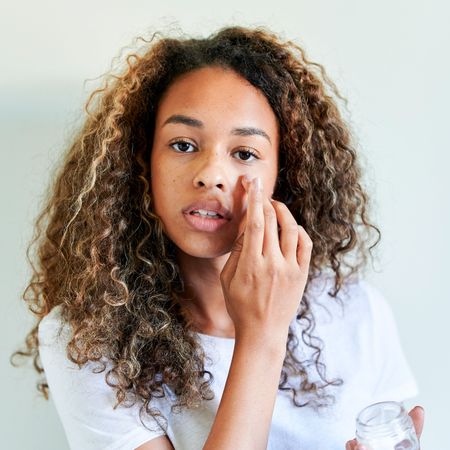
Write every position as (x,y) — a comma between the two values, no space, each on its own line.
(86,403)
(357,300)
(53,333)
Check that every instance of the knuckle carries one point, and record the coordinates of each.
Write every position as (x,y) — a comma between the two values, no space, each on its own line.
(279,204)
(305,236)
(273,271)
(269,216)
(284,208)
(292,273)
(249,277)
(309,243)
(258,198)
(255,225)
(292,228)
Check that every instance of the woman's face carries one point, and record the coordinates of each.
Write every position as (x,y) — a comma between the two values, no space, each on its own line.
(207,123)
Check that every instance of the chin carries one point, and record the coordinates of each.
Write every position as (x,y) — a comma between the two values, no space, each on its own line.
(204,250)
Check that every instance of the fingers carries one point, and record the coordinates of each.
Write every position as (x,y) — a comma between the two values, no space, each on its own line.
(353,445)
(254,228)
(230,266)
(350,445)
(304,248)
(261,226)
(294,241)
(288,231)
(417,415)
(271,242)
(261,211)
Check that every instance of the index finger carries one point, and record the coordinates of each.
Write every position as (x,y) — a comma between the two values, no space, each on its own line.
(254,229)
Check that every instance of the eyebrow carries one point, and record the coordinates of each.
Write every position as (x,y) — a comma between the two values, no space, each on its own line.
(239,131)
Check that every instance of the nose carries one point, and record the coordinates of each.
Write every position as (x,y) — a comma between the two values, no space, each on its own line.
(211,173)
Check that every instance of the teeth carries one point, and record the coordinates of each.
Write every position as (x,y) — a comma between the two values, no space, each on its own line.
(205,213)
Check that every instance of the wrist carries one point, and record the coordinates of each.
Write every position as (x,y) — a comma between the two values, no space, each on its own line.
(261,340)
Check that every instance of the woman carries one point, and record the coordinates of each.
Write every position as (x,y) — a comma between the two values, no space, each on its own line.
(208,217)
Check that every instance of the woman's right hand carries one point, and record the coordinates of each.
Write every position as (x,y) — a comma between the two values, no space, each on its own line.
(265,276)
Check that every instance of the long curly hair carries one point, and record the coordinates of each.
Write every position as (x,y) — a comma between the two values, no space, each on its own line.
(100,249)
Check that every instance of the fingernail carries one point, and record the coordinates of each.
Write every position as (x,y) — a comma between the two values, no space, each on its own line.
(257,184)
(247,178)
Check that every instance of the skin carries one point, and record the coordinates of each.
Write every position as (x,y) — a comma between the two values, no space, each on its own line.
(213,166)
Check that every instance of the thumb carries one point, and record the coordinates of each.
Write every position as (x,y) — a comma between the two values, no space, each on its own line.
(230,266)
(417,415)
(236,249)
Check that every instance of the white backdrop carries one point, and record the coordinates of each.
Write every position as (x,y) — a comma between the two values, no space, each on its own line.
(389,58)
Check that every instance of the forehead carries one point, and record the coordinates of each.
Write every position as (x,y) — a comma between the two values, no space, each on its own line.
(215,94)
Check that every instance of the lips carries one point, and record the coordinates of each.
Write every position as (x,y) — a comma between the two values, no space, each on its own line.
(207,224)
(213,205)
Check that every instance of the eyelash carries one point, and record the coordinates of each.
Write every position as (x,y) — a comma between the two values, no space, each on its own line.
(181,141)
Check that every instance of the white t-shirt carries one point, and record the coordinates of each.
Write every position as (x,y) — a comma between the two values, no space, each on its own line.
(361,346)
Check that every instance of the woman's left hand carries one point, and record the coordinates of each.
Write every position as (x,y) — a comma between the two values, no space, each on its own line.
(417,415)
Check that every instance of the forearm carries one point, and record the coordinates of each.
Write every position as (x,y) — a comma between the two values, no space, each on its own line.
(245,412)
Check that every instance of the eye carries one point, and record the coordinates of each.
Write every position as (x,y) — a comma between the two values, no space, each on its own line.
(182,146)
(248,153)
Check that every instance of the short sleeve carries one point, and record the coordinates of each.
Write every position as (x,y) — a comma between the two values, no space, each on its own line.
(393,376)
(84,401)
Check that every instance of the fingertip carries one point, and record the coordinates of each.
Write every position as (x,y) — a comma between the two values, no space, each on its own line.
(276,203)
(350,445)
(419,409)
(245,181)
(359,446)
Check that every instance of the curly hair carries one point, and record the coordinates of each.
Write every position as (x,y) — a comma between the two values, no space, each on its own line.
(101,252)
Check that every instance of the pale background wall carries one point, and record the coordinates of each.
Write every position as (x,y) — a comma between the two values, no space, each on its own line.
(389,58)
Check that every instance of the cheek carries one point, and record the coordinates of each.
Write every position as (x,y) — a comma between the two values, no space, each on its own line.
(165,195)
(159,197)
(157,179)
(158,191)
(268,185)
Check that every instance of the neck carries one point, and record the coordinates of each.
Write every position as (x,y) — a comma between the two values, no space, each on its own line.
(203,297)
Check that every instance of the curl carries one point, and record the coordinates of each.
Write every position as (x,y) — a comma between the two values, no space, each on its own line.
(101,253)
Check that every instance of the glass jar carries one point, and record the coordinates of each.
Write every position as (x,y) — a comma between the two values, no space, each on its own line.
(386,426)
